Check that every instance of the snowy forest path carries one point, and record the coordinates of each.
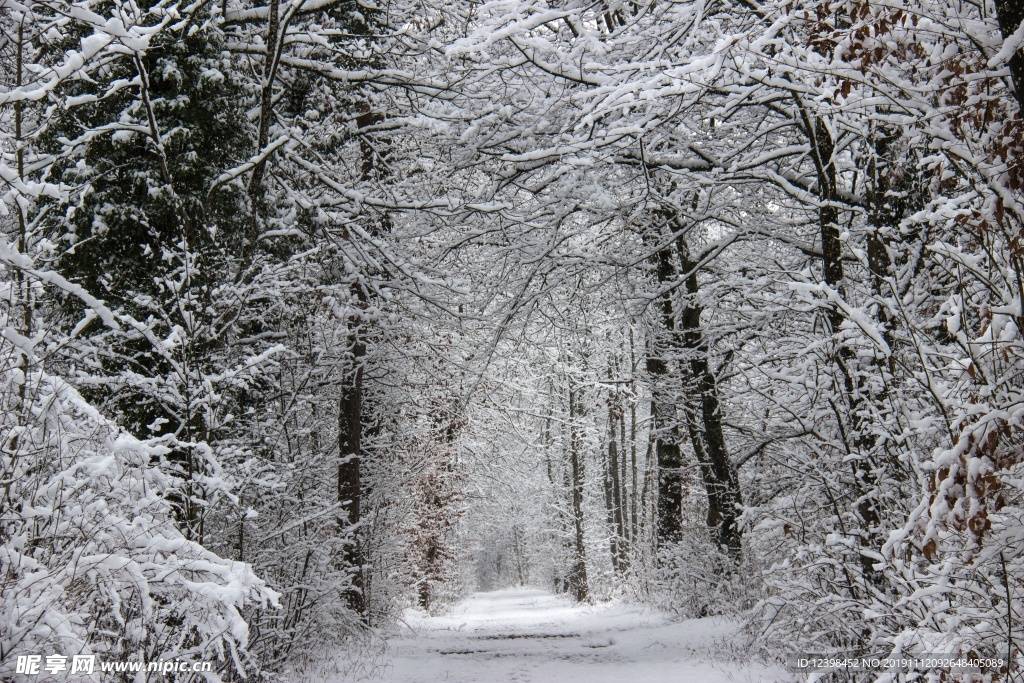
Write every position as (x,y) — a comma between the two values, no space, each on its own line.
(526,635)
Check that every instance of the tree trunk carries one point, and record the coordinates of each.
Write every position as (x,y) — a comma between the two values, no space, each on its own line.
(578,583)
(622,495)
(613,491)
(350,432)
(882,213)
(424,588)
(518,544)
(635,533)
(720,479)
(609,496)
(350,418)
(1011,15)
(255,189)
(663,411)
(701,413)
(562,521)
(832,270)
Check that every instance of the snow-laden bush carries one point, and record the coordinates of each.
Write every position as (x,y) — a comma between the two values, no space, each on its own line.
(90,558)
(694,578)
(938,571)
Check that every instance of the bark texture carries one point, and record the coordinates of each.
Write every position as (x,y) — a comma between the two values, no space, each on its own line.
(579,586)
(701,410)
(1011,15)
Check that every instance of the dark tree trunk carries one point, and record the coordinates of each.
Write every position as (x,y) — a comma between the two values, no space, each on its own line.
(613,491)
(350,432)
(702,416)
(663,411)
(648,504)
(622,495)
(883,213)
(720,479)
(561,581)
(424,591)
(634,474)
(1011,15)
(567,528)
(518,545)
(255,189)
(578,584)
(609,495)
(832,269)
(437,498)
(670,485)
(350,417)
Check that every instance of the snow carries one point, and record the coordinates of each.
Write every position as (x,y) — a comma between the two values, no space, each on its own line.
(527,635)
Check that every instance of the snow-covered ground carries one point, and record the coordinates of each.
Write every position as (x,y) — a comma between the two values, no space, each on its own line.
(529,636)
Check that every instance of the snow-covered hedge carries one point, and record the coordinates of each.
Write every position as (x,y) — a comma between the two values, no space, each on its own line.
(90,558)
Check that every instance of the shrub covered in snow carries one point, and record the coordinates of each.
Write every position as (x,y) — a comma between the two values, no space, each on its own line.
(90,558)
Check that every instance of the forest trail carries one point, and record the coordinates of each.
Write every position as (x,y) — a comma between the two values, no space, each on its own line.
(525,635)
